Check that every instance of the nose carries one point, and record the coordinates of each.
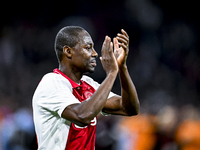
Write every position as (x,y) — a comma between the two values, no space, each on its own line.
(94,53)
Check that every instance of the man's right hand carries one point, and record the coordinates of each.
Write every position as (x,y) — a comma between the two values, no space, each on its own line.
(108,59)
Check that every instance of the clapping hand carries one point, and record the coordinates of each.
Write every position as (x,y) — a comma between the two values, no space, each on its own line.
(121,49)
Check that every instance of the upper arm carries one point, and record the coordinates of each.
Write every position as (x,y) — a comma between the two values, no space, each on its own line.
(72,113)
(114,106)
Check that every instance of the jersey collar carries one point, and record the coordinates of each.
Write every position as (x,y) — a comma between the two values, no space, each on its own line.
(74,84)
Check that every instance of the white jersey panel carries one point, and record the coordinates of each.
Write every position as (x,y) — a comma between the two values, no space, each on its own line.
(52,96)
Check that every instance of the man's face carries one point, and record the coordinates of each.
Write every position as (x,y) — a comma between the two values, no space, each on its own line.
(84,57)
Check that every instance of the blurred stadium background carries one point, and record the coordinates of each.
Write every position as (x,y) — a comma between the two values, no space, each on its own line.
(164,63)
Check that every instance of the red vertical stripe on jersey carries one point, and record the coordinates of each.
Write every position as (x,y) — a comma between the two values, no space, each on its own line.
(81,138)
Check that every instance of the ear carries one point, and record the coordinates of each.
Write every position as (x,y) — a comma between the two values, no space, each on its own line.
(67,51)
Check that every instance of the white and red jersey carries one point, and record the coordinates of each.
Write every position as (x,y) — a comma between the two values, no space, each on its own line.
(54,93)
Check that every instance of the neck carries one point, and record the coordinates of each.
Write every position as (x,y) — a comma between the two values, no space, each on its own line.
(72,74)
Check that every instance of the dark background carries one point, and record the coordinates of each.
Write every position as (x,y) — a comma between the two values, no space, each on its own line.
(164,43)
(164,57)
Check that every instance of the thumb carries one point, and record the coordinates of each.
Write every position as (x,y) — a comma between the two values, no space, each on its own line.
(101,60)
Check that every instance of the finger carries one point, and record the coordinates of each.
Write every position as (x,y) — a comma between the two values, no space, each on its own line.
(124,33)
(122,40)
(105,46)
(125,47)
(123,36)
(111,47)
(116,48)
(108,40)
(116,45)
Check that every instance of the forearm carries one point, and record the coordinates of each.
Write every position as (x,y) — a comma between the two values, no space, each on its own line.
(87,110)
(129,95)
(99,98)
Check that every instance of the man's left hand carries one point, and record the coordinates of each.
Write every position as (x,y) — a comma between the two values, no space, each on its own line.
(121,48)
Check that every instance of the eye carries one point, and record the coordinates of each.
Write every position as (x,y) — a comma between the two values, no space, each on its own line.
(88,47)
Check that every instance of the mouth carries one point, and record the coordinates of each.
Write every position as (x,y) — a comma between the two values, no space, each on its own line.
(93,63)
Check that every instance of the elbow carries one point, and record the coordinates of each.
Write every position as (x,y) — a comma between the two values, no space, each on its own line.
(137,110)
(84,120)
(79,117)
(134,111)
(81,123)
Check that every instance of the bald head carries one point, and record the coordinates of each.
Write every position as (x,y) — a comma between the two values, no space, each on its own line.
(67,36)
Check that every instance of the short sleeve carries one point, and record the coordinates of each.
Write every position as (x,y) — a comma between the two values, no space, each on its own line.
(57,101)
(54,94)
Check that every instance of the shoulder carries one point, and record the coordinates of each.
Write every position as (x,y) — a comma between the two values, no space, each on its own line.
(87,78)
(55,81)
(51,84)
(90,81)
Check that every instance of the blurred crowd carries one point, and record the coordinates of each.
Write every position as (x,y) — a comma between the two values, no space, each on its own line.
(164,63)
(170,129)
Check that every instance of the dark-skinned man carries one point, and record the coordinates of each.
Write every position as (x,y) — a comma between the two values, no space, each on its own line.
(66,102)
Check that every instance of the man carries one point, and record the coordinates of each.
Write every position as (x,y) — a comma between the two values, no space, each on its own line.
(66,102)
